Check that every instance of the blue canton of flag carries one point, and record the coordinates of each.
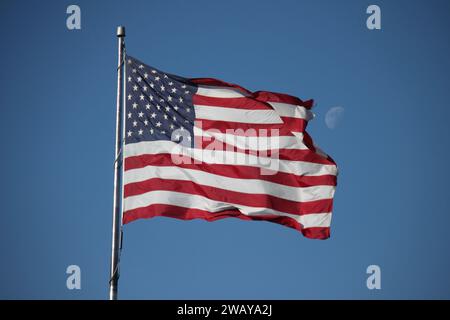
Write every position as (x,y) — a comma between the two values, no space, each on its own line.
(158,105)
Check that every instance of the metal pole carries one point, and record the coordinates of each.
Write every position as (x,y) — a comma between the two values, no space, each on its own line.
(116,222)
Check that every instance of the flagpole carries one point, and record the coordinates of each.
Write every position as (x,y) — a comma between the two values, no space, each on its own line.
(116,221)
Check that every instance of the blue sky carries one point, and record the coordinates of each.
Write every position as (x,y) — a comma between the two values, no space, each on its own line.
(57,124)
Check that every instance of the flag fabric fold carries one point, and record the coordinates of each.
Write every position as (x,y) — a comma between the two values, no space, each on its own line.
(204,148)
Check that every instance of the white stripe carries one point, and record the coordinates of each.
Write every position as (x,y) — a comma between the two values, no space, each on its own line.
(220,92)
(179,152)
(239,139)
(248,186)
(192,201)
(291,110)
(236,115)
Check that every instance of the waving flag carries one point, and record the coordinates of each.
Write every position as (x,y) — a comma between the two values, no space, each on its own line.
(204,148)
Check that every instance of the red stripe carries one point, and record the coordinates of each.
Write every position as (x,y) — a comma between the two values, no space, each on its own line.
(282,154)
(224,195)
(294,124)
(223,126)
(182,213)
(232,171)
(267,96)
(243,129)
(307,140)
(237,103)
(286,128)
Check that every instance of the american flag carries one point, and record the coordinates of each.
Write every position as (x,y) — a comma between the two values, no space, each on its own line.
(204,148)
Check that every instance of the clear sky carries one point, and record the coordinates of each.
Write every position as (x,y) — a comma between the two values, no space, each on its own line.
(58,91)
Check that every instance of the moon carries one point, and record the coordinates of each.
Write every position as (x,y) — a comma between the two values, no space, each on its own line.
(334,116)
